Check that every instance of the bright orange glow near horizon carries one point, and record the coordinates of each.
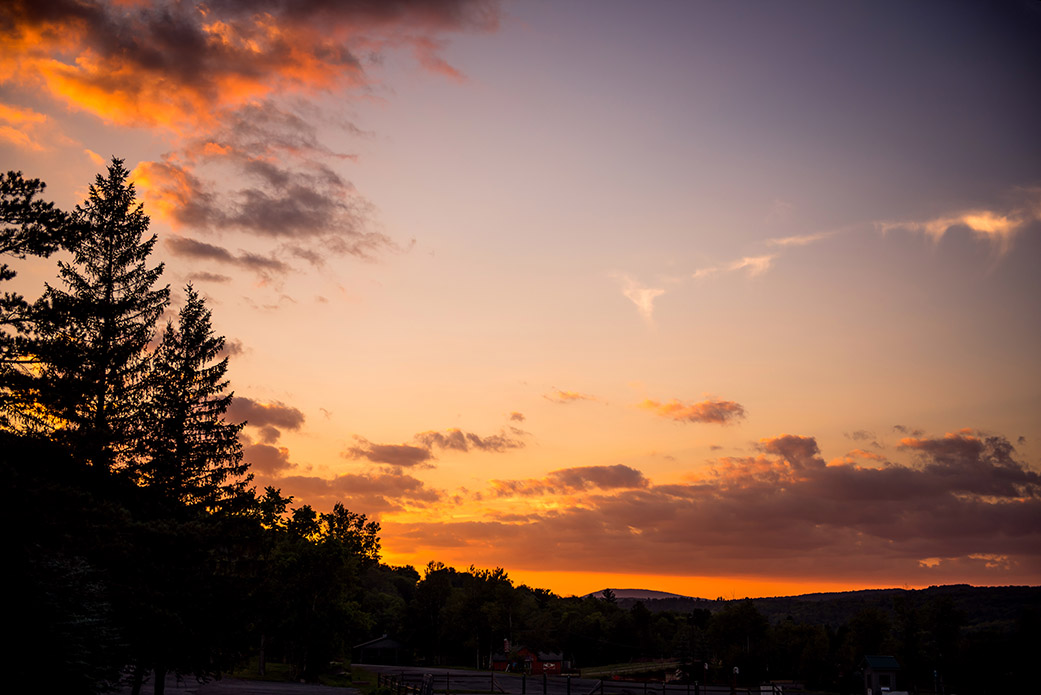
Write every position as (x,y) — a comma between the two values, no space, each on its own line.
(581,584)
(677,297)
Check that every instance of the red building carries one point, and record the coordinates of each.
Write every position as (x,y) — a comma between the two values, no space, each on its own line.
(524,660)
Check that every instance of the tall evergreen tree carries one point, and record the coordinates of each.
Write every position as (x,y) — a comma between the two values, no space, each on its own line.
(28,226)
(94,334)
(191,452)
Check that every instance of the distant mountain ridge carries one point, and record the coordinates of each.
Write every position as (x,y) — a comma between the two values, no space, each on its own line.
(640,594)
(978,605)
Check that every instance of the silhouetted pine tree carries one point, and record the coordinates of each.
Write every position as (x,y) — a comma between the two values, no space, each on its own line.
(94,335)
(191,453)
(28,226)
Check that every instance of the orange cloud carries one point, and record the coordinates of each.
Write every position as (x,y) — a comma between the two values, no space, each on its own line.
(178,65)
(854,456)
(19,127)
(568,480)
(376,493)
(568,397)
(966,511)
(225,80)
(710,411)
(171,191)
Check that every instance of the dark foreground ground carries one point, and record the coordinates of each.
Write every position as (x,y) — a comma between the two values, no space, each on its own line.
(232,686)
(468,681)
(464,680)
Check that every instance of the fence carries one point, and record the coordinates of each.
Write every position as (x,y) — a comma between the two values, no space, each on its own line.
(613,687)
(415,682)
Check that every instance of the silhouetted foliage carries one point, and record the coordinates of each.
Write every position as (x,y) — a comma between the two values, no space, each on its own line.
(190,451)
(28,227)
(93,336)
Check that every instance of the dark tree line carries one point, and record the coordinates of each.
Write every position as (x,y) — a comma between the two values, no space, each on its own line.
(140,546)
(463,618)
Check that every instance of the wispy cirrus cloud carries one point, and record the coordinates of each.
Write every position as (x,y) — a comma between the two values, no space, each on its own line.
(711,411)
(758,264)
(799,239)
(562,396)
(752,265)
(640,295)
(997,225)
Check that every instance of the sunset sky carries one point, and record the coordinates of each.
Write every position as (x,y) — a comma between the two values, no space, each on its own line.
(719,298)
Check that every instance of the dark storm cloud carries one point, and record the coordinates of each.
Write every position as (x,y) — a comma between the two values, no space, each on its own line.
(965,504)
